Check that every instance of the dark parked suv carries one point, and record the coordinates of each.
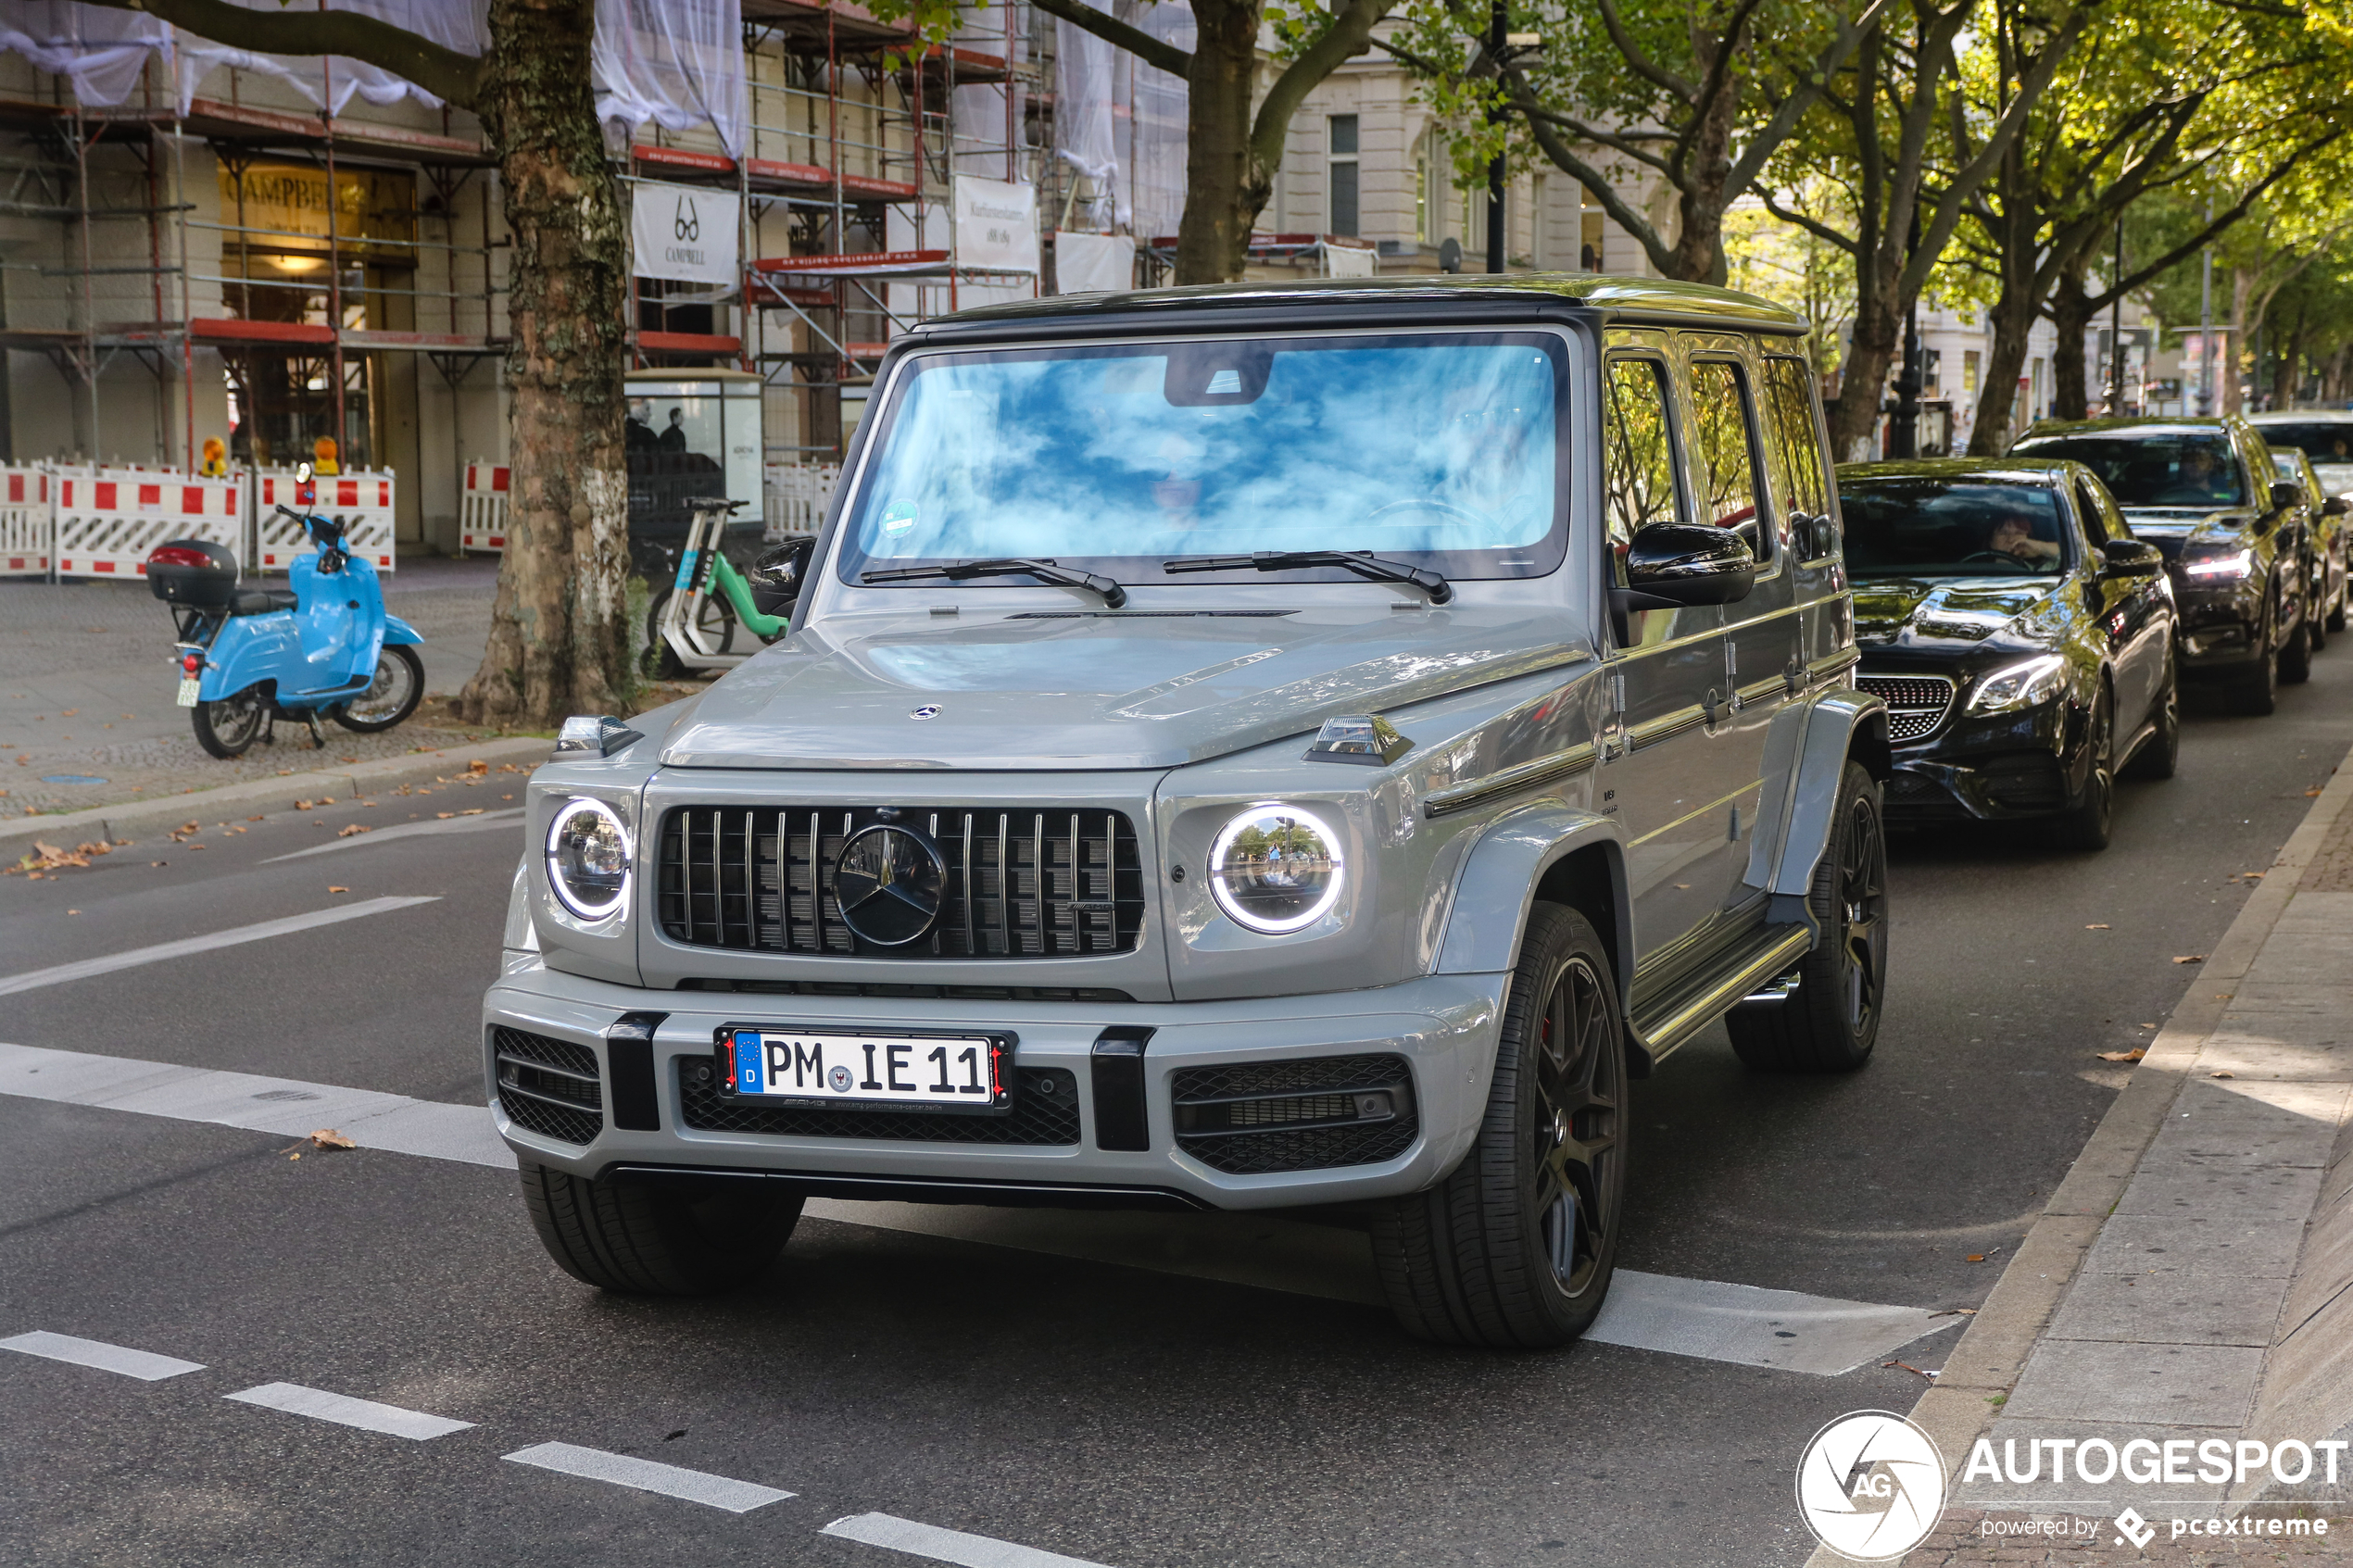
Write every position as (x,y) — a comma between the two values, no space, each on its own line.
(2236,540)
(1241,747)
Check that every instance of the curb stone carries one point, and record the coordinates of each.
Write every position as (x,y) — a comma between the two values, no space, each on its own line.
(1983,1367)
(129,819)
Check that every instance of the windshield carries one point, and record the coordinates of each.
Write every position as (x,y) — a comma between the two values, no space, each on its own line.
(2161,469)
(1951,528)
(1437,448)
(2328,441)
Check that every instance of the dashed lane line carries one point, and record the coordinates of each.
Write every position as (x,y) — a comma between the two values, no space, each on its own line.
(292,926)
(947,1545)
(645,1475)
(145,1365)
(1743,1325)
(482,823)
(344,1411)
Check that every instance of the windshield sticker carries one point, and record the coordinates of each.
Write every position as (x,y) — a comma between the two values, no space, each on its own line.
(899,517)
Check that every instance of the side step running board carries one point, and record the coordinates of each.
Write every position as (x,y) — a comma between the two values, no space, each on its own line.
(1670,1020)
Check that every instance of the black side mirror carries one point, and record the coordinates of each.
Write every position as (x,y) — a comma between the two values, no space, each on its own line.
(2131,557)
(775,577)
(1676,565)
(2287,494)
(2335,506)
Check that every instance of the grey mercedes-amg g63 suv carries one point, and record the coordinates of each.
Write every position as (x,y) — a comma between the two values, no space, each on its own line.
(1237,747)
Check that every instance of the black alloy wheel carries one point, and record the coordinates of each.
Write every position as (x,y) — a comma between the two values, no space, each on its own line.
(2257,691)
(1831,1022)
(228,727)
(2160,755)
(2086,825)
(1515,1247)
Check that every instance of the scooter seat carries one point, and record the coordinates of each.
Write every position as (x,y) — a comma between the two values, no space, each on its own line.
(261,601)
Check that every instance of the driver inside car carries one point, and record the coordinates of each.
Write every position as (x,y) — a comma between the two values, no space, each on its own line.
(2015,536)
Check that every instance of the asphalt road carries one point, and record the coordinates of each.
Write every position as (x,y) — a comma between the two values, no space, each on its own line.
(1129,1416)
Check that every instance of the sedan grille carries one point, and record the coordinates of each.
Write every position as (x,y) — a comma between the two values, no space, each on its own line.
(1024,884)
(548,1085)
(1916,704)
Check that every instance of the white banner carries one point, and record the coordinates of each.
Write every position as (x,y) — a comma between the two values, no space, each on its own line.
(1094,263)
(684,232)
(995,225)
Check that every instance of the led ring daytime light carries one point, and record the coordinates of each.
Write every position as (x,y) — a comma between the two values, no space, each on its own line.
(588,859)
(1276,869)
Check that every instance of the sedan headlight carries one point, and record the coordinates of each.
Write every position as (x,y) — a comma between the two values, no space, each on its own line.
(2020,686)
(2231,568)
(1276,869)
(588,859)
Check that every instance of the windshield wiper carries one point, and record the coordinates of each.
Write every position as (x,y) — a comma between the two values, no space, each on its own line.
(1362,565)
(1006,566)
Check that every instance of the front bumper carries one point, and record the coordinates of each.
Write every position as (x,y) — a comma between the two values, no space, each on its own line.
(2005,767)
(2222,628)
(1444,1027)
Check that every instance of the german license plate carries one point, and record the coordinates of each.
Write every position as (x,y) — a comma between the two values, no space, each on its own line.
(188,691)
(953,1072)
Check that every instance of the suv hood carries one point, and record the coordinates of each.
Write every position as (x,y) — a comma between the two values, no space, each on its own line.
(1093,690)
(1955,613)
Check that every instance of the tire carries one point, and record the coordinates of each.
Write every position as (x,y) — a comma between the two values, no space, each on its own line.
(715,621)
(2160,755)
(398,686)
(2257,693)
(2296,654)
(2087,824)
(659,1238)
(1506,1251)
(2337,606)
(1831,1022)
(229,727)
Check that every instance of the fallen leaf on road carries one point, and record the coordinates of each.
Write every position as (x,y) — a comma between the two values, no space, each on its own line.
(302,805)
(445,815)
(1955,1312)
(352,828)
(2310,793)
(327,1137)
(2189,958)
(257,819)
(1910,1367)
(78,912)
(2222,1074)
(69,712)
(333,888)
(471,811)
(2133,1055)
(159,862)
(2144,1026)
(477,767)
(1977,1258)
(2095,928)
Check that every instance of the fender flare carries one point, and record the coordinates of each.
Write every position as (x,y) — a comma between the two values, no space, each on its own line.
(1806,752)
(399,631)
(1501,875)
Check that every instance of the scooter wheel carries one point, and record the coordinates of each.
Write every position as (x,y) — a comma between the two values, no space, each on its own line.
(228,727)
(393,695)
(713,620)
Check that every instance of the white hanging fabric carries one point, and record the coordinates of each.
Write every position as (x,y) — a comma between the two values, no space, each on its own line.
(678,63)
(1086,68)
(100,50)
(1155,103)
(330,83)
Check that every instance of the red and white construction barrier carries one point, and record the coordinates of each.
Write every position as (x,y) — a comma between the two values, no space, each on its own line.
(482,524)
(360,500)
(105,520)
(27,523)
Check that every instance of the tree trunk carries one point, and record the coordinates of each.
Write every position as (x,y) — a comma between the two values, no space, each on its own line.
(559,643)
(1991,432)
(1223,193)
(2233,363)
(2070,390)
(1862,383)
(1699,249)
(2287,367)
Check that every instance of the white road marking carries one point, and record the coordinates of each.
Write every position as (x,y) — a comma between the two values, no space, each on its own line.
(292,925)
(693,1486)
(344,1411)
(946,1546)
(406,830)
(283,1106)
(1753,1328)
(1740,1324)
(145,1365)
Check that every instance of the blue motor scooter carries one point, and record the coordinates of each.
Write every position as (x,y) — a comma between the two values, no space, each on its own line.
(250,657)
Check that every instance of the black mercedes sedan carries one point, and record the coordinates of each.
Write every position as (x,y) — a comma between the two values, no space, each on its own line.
(2022,637)
(2237,540)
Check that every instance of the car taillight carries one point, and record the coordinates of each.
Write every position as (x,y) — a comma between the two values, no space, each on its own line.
(177,555)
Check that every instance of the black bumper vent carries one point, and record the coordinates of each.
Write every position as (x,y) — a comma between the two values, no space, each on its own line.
(1045,1113)
(1263,1117)
(1024,884)
(549,1087)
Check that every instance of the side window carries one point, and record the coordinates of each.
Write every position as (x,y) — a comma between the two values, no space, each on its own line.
(1639,455)
(1727,459)
(1796,435)
(2087,509)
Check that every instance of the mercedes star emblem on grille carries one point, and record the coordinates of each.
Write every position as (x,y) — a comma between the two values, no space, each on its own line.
(929,711)
(889,883)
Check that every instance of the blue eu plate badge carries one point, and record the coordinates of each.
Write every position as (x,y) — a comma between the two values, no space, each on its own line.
(748,1074)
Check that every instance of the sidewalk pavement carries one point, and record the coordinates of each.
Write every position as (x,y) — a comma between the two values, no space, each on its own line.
(2192,1279)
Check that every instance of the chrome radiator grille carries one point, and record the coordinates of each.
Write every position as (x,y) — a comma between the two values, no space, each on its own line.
(1916,704)
(1021,884)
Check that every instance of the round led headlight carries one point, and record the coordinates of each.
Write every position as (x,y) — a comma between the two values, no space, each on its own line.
(1276,869)
(588,859)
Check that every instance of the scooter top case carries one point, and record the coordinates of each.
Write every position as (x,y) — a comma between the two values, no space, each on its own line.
(322,651)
